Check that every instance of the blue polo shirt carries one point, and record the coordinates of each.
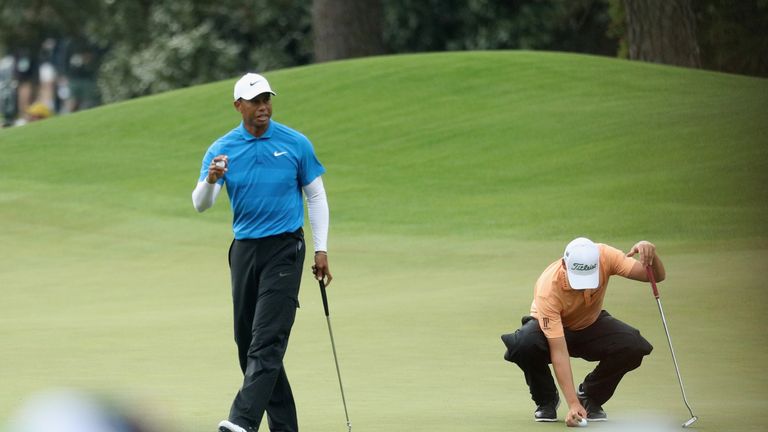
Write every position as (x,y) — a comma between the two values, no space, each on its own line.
(264,178)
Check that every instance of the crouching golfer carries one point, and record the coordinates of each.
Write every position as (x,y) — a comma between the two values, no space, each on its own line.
(265,167)
(567,320)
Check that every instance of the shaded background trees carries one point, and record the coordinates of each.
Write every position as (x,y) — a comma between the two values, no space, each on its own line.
(662,31)
(347,28)
(439,25)
(733,35)
(130,48)
(158,46)
(78,54)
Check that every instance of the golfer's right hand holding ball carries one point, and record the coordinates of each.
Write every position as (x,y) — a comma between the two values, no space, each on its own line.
(577,423)
(576,418)
(218,167)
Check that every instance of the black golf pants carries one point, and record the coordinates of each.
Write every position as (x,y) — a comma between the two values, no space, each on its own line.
(266,274)
(618,347)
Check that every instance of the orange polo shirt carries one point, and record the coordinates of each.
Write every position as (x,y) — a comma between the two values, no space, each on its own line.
(557,306)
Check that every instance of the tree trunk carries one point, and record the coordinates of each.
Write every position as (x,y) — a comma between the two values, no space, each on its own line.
(347,28)
(662,31)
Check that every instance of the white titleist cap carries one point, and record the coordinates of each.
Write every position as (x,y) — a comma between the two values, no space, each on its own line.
(582,263)
(250,86)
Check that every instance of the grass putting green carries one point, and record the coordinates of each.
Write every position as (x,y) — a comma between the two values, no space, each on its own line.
(453,180)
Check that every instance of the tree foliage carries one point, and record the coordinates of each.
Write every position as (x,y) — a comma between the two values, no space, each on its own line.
(438,25)
(148,46)
(25,24)
(158,46)
(730,33)
(733,35)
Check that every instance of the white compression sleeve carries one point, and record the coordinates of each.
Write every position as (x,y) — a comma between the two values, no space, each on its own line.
(205,195)
(319,215)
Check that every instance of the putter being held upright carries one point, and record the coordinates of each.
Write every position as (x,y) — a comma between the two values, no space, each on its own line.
(567,320)
(267,168)
(652,279)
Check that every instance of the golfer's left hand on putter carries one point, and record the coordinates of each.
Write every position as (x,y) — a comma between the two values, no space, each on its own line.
(647,251)
(320,269)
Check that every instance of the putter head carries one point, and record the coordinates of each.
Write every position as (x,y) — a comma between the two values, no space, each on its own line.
(690,421)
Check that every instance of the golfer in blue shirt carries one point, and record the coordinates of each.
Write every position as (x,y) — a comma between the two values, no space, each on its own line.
(266,167)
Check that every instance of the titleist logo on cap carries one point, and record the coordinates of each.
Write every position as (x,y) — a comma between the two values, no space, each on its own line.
(582,267)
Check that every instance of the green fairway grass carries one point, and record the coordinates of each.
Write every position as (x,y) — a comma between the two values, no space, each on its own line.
(453,180)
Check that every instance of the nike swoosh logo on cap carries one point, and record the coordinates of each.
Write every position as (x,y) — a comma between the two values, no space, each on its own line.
(253,83)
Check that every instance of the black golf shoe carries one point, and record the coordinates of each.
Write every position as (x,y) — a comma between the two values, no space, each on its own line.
(547,412)
(595,412)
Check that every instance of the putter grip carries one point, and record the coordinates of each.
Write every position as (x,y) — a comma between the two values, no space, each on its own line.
(325,296)
(652,278)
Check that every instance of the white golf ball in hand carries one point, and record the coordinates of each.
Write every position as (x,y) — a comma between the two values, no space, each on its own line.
(221,164)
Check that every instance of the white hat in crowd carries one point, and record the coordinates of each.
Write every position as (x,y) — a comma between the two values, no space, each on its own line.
(582,263)
(251,85)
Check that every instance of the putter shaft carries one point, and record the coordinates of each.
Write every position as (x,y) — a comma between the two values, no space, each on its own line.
(677,369)
(335,357)
(652,279)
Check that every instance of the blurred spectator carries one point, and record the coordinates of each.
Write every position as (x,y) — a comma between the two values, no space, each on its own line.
(8,85)
(77,411)
(61,76)
(78,65)
(36,111)
(27,77)
(46,92)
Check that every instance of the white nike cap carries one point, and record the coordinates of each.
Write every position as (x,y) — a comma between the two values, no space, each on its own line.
(582,263)
(251,85)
